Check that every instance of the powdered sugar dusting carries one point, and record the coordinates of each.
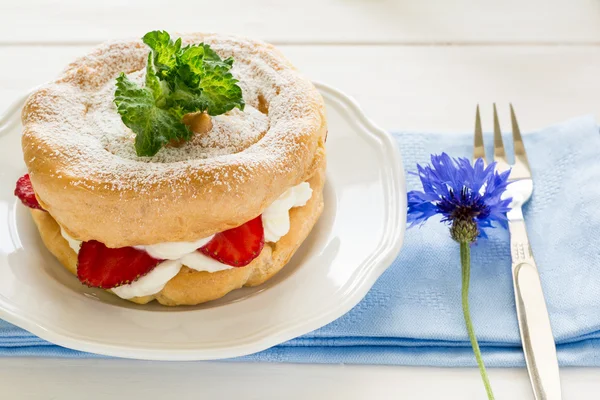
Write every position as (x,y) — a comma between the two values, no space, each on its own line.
(75,119)
(231,132)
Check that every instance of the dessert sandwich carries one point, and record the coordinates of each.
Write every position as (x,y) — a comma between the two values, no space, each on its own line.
(175,170)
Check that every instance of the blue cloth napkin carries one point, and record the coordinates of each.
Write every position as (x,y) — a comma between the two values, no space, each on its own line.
(413,316)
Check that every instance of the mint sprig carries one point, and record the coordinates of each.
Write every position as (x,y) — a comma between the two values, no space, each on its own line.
(179,80)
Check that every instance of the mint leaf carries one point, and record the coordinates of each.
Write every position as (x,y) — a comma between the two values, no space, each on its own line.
(179,81)
(154,127)
(220,89)
(204,82)
(164,51)
(160,90)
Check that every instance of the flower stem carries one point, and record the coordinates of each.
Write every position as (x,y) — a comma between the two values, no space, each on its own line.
(465,261)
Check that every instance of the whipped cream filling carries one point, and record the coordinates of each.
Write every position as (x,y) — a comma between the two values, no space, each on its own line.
(276,224)
(276,217)
(151,283)
(73,243)
(173,250)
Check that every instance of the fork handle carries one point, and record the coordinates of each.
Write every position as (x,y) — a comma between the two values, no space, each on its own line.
(534,322)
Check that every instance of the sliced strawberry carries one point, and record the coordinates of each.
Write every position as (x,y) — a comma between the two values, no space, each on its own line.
(24,191)
(238,246)
(106,268)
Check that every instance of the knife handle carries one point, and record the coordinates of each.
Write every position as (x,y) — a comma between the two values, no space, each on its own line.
(532,314)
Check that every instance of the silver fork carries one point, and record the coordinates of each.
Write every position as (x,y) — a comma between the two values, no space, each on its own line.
(534,323)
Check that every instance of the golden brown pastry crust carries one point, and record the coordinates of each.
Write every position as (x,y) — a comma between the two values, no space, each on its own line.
(96,195)
(191,287)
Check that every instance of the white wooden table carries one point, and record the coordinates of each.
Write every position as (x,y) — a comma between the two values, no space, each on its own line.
(413,65)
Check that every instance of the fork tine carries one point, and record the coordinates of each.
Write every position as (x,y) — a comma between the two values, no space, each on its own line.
(521,164)
(478,149)
(499,153)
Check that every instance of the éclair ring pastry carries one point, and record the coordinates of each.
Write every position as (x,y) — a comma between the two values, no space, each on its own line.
(175,171)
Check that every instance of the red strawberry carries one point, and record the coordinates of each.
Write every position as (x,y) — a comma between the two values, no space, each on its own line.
(238,246)
(24,191)
(106,268)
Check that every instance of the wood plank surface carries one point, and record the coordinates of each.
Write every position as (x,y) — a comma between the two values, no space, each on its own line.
(419,88)
(307,21)
(91,379)
(412,65)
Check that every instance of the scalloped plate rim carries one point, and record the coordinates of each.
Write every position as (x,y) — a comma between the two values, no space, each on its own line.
(265,339)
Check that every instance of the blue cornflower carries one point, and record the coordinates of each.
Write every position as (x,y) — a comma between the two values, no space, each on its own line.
(468,196)
(469,199)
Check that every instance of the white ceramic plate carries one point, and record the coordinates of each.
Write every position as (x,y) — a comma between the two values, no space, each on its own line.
(355,240)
